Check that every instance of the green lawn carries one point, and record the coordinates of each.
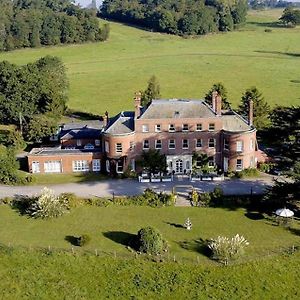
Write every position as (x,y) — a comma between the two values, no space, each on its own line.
(110,227)
(104,76)
(32,274)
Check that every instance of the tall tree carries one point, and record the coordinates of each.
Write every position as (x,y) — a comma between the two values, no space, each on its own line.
(222,91)
(152,91)
(261,108)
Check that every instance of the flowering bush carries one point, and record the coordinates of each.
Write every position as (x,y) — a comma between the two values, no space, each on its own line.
(48,205)
(225,249)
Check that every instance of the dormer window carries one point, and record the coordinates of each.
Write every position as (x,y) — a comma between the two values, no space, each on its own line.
(171,128)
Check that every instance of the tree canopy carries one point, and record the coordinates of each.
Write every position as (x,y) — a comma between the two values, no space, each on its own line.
(33,96)
(261,108)
(152,91)
(31,23)
(290,17)
(184,17)
(222,91)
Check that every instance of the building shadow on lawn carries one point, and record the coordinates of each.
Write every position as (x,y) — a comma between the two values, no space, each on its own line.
(121,237)
(199,246)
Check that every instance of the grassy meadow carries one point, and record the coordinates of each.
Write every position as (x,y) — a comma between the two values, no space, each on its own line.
(104,76)
(110,228)
(269,270)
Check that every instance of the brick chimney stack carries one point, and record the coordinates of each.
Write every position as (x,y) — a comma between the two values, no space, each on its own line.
(213,100)
(105,119)
(137,104)
(218,105)
(250,112)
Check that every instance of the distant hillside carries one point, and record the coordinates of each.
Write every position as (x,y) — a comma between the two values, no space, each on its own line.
(47,22)
(178,16)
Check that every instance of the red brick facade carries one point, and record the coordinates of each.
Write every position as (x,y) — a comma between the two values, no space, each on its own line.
(177,128)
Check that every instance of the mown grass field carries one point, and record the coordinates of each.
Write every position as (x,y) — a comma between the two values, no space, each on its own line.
(111,227)
(32,275)
(104,76)
(268,271)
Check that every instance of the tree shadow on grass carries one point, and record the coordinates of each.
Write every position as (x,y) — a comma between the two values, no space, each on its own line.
(295,231)
(254,215)
(73,240)
(121,237)
(293,54)
(175,225)
(199,246)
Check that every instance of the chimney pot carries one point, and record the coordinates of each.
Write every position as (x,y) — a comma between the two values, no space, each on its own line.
(137,104)
(105,119)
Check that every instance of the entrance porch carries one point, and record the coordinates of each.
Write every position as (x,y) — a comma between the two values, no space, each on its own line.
(179,164)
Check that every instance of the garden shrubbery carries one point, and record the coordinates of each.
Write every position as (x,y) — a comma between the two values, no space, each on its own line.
(226,249)
(150,241)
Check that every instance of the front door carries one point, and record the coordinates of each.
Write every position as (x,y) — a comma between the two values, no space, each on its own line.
(179,166)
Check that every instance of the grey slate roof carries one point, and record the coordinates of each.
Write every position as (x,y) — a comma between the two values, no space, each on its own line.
(90,129)
(58,151)
(177,108)
(235,123)
(123,123)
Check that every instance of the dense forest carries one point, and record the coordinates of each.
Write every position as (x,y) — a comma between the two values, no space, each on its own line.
(32,23)
(33,96)
(184,17)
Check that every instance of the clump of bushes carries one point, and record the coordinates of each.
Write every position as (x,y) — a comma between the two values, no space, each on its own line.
(208,198)
(226,249)
(72,200)
(83,240)
(251,172)
(150,241)
(151,198)
(48,205)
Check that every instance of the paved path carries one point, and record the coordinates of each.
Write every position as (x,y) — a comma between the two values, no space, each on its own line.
(128,187)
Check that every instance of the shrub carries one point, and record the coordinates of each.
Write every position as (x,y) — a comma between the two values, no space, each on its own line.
(225,249)
(83,240)
(205,199)
(48,205)
(150,241)
(217,196)
(251,172)
(195,198)
(72,200)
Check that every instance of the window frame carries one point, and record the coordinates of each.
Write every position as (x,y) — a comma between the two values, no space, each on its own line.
(201,142)
(239,167)
(157,127)
(156,143)
(144,143)
(185,145)
(199,125)
(211,127)
(80,166)
(172,128)
(119,148)
(241,148)
(214,143)
(145,128)
(169,144)
(185,127)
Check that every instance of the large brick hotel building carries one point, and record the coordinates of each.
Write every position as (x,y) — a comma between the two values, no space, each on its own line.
(176,127)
